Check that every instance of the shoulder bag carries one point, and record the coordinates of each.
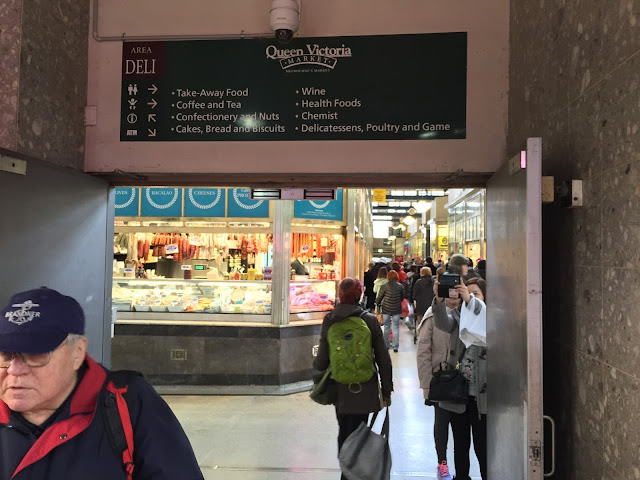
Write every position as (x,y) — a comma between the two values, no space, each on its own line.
(325,388)
(449,385)
(365,455)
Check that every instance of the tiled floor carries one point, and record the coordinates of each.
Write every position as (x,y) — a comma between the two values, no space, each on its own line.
(291,437)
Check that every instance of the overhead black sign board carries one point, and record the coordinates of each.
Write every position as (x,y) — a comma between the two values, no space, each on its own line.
(391,87)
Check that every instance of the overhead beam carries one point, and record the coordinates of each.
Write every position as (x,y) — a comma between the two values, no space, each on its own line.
(286,180)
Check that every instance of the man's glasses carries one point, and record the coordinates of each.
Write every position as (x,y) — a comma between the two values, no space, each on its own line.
(29,359)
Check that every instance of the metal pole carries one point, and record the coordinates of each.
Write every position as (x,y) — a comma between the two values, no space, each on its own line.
(282,218)
(351,233)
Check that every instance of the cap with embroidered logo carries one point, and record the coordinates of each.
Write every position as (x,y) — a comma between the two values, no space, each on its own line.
(37,321)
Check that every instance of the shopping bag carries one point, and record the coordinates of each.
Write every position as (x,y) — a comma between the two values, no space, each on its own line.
(405,307)
(325,388)
(473,326)
(365,455)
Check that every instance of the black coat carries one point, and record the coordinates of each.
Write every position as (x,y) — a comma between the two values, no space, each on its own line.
(423,295)
(368,283)
(75,446)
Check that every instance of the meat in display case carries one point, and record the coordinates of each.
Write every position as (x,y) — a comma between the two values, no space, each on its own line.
(318,296)
(222,297)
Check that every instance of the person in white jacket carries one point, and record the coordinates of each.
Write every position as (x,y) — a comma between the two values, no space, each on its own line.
(433,348)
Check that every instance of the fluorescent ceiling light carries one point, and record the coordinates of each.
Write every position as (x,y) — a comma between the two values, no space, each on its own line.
(408,220)
(422,206)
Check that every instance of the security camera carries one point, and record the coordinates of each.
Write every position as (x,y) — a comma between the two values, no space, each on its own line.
(285,18)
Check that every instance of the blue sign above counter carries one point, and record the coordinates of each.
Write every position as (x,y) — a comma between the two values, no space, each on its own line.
(161,202)
(127,202)
(241,204)
(204,202)
(320,209)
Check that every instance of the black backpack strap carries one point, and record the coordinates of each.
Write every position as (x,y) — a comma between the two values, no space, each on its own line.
(115,415)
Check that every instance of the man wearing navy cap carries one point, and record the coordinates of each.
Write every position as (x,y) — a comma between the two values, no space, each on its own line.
(50,426)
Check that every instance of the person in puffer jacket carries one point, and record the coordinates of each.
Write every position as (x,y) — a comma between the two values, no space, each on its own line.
(390,297)
(50,425)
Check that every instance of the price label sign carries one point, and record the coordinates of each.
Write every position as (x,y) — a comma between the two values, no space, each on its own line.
(171,249)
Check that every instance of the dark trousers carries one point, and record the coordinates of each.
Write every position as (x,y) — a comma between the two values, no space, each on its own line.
(441,431)
(463,424)
(347,424)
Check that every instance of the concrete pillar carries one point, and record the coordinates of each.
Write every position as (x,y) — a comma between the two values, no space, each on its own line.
(43,79)
(282,218)
(350,247)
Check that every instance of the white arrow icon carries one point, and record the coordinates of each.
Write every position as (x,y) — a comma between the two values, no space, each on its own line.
(153,89)
(152,132)
(151,117)
(153,103)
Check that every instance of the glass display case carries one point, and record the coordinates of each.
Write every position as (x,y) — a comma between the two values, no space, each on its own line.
(245,297)
(192,296)
(312,296)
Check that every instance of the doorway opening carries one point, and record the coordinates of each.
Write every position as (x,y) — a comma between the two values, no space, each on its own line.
(514,405)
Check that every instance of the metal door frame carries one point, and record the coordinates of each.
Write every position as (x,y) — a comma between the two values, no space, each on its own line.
(514,246)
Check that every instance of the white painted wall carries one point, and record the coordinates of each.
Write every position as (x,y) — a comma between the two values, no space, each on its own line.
(486,22)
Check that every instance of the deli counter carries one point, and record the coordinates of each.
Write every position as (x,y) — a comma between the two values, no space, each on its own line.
(180,300)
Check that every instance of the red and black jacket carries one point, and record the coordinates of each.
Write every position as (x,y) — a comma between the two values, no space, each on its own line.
(76,445)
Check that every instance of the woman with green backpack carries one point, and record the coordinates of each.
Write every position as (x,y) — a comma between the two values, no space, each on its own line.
(351,344)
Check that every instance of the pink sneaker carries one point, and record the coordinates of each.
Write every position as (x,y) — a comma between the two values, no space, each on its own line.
(443,471)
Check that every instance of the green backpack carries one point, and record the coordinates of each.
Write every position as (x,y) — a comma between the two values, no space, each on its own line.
(350,352)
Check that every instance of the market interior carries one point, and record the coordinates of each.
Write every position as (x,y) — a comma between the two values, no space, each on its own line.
(205,277)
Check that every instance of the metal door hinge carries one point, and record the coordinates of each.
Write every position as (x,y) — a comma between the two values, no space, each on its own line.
(566,193)
(535,453)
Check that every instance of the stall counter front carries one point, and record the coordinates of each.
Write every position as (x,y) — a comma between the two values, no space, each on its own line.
(216,337)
